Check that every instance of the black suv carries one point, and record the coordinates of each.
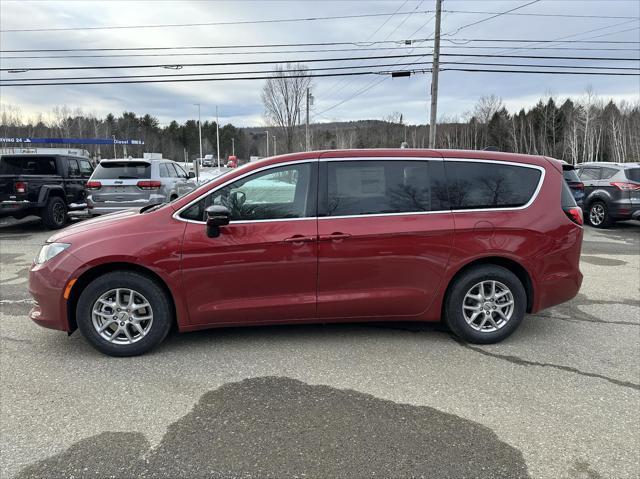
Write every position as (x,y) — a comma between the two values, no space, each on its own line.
(612,192)
(43,185)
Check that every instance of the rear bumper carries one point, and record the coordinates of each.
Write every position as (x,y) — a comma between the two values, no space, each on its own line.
(11,207)
(105,207)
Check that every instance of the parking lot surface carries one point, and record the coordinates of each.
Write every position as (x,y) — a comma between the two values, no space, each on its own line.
(558,399)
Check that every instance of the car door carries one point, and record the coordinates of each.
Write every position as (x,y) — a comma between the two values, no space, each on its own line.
(385,234)
(263,266)
(74,185)
(183,185)
(86,170)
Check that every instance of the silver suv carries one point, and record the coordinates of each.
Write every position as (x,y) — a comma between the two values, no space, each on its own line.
(120,184)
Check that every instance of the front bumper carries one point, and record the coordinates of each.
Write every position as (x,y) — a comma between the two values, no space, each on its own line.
(47,283)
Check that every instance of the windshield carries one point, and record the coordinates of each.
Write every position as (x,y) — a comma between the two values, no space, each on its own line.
(126,170)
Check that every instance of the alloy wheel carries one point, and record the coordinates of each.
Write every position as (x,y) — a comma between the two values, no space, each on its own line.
(596,214)
(59,213)
(488,306)
(122,316)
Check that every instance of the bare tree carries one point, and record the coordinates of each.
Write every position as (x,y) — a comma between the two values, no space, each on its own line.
(283,97)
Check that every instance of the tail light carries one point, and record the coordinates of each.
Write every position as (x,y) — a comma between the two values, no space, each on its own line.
(149,185)
(94,185)
(621,185)
(574,213)
(579,186)
(21,187)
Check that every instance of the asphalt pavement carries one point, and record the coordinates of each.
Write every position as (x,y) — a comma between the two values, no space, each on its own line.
(558,399)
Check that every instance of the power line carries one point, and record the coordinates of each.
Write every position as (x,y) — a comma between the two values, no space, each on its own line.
(407,42)
(266,72)
(204,24)
(305,19)
(330,50)
(499,14)
(559,15)
(309,60)
(549,72)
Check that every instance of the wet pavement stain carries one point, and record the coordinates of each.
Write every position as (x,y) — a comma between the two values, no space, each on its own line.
(600,261)
(280,427)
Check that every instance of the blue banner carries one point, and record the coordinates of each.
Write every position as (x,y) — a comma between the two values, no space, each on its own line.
(71,141)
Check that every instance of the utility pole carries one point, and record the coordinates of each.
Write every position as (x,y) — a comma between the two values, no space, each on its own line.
(434,77)
(233,147)
(309,101)
(218,136)
(267,132)
(115,156)
(199,132)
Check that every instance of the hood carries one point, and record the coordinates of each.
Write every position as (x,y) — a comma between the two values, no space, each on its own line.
(105,221)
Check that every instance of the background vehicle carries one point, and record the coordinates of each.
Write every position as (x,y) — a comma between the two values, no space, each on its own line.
(573,181)
(474,238)
(612,192)
(120,184)
(43,185)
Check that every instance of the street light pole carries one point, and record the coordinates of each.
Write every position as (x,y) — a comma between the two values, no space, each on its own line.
(217,136)
(115,156)
(233,147)
(267,132)
(434,77)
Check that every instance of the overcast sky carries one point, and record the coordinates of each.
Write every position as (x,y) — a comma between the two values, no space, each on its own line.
(239,102)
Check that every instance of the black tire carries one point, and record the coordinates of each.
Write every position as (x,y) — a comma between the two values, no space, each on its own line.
(54,213)
(163,316)
(455,318)
(600,206)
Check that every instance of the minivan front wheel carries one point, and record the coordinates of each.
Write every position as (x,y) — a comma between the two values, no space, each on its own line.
(124,314)
(485,304)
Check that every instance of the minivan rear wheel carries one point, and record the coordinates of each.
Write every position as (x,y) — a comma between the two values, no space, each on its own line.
(485,304)
(124,313)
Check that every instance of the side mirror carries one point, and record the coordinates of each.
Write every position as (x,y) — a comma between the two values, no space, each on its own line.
(192,174)
(217,216)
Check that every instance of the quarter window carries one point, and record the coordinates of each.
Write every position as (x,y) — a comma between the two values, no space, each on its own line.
(384,187)
(608,173)
(475,185)
(277,193)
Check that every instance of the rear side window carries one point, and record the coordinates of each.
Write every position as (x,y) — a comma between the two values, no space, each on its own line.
(164,170)
(74,169)
(85,169)
(384,187)
(479,185)
(567,199)
(590,174)
(633,174)
(126,170)
(27,165)
(608,173)
(571,176)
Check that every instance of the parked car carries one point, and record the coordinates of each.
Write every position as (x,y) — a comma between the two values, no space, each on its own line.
(573,181)
(475,238)
(120,184)
(47,186)
(612,192)
(207,162)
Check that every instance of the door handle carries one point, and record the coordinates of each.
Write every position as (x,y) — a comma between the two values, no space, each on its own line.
(299,239)
(337,236)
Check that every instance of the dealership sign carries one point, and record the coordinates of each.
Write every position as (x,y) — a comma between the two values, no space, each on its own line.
(75,141)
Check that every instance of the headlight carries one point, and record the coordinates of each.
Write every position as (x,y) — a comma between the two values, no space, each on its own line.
(50,250)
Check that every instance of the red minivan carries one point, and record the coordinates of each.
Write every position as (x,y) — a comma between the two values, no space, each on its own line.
(475,238)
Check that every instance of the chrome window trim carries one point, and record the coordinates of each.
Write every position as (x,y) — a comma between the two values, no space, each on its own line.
(176,215)
(534,196)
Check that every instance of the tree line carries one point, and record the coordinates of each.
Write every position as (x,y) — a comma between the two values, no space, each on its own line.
(574,130)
